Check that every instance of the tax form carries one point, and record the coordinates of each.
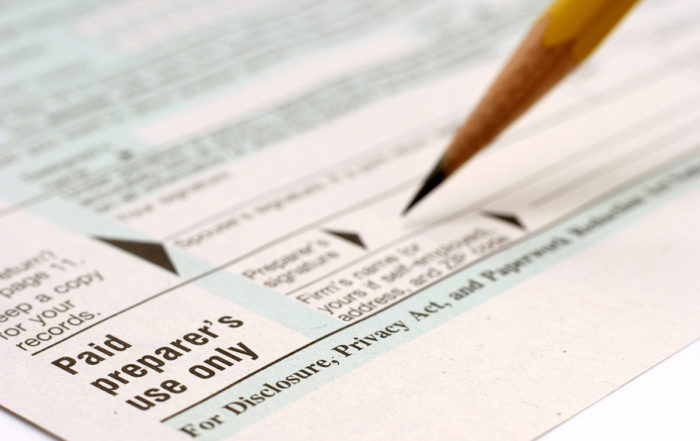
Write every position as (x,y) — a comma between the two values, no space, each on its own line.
(201,233)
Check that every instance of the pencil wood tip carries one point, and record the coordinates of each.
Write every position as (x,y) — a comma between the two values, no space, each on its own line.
(436,177)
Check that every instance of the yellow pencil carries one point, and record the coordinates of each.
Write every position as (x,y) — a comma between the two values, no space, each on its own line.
(558,42)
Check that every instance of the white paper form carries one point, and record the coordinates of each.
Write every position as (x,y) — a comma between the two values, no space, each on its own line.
(201,233)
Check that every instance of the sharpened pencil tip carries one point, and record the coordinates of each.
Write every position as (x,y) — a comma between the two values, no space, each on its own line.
(436,177)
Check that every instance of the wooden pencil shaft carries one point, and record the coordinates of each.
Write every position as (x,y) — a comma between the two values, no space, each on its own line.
(532,71)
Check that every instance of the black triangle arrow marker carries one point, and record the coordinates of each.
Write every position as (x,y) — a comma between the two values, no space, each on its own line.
(153,252)
(349,236)
(509,218)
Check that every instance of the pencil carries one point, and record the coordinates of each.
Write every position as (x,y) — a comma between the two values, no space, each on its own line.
(560,40)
